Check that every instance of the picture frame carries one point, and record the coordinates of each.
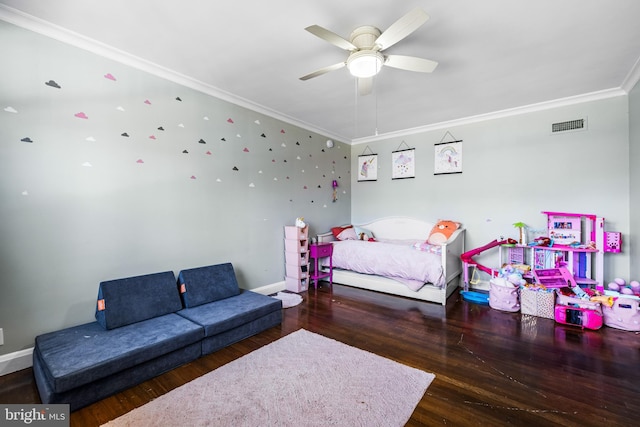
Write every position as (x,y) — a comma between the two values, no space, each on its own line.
(368,167)
(448,157)
(403,164)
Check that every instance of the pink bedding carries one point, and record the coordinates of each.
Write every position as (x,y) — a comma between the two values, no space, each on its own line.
(401,262)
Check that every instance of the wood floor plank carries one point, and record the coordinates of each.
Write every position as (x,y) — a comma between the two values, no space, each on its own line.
(491,367)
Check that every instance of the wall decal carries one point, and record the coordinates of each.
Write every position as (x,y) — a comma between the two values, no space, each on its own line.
(87,164)
(263,135)
(161,128)
(120,108)
(180,125)
(146,101)
(109,76)
(281,130)
(193,177)
(297,142)
(205,118)
(90,139)
(27,139)
(218,180)
(298,158)
(229,120)
(81,115)
(10,109)
(52,83)
(152,137)
(202,141)
(126,135)
(208,153)
(252,185)
(257,122)
(185,152)
(223,139)
(283,145)
(246,150)
(178,99)
(305,187)
(235,168)
(25,193)
(140,161)
(238,135)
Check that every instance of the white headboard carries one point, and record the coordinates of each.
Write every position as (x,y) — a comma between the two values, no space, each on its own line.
(399,227)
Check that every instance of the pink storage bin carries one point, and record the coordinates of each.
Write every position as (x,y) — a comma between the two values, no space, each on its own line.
(296,258)
(296,233)
(298,272)
(503,298)
(296,285)
(298,246)
(624,314)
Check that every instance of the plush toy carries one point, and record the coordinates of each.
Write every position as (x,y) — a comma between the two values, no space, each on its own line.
(512,275)
(300,222)
(441,232)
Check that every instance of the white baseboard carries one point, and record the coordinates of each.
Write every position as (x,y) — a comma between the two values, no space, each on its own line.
(273,288)
(23,359)
(16,361)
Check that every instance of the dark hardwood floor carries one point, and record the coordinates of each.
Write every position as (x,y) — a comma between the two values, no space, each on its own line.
(491,367)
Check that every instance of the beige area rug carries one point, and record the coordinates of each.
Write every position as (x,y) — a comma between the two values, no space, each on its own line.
(302,379)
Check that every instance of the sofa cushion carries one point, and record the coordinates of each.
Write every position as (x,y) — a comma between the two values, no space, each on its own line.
(125,301)
(223,315)
(82,354)
(207,284)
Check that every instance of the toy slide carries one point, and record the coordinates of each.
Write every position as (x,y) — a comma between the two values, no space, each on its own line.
(467,259)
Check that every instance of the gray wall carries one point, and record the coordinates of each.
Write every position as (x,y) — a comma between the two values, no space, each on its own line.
(634,177)
(81,203)
(513,169)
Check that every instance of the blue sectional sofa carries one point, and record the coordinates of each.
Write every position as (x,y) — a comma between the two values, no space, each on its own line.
(147,325)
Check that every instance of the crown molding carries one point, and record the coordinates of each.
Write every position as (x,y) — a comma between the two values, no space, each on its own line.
(72,38)
(48,29)
(632,78)
(562,102)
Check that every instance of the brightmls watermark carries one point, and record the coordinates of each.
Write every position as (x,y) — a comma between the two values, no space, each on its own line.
(34,415)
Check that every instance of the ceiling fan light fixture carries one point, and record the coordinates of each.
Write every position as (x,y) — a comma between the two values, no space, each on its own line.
(365,63)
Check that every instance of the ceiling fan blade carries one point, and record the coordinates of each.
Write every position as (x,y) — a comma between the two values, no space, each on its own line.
(365,85)
(402,28)
(410,63)
(324,70)
(331,37)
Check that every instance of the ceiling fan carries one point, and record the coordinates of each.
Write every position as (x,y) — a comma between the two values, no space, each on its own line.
(365,46)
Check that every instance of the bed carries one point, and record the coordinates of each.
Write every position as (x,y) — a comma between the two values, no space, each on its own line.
(391,255)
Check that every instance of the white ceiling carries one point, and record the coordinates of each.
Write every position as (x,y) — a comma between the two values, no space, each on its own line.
(494,55)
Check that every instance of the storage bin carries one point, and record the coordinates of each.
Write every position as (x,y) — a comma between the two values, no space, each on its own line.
(502,296)
(296,285)
(537,301)
(623,314)
(297,246)
(296,258)
(297,272)
(296,233)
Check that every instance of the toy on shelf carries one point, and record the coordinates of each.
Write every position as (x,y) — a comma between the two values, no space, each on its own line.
(521,226)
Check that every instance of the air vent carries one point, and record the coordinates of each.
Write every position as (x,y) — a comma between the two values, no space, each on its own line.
(571,125)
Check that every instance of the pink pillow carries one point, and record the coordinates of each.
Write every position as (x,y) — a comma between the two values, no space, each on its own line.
(348,234)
